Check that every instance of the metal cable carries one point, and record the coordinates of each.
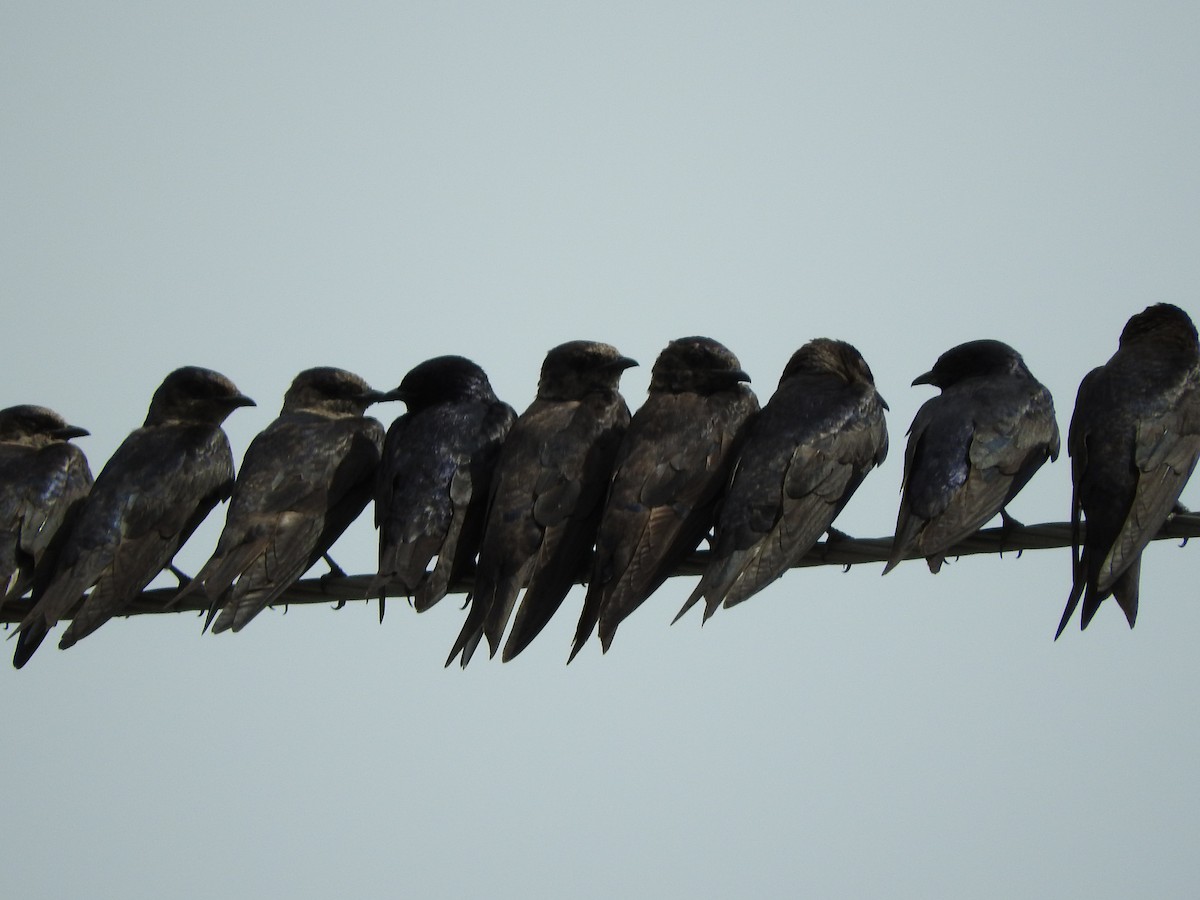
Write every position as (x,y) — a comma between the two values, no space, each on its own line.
(836,551)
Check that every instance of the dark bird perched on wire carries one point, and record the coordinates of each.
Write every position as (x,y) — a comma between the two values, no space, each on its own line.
(547,495)
(435,476)
(805,455)
(43,478)
(148,499)
(1134,440)
(673,464)
(303,480)
(971,448)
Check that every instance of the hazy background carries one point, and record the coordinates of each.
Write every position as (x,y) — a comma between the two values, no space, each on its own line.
(260,189)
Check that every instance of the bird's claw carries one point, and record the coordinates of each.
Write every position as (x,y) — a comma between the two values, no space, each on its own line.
(335,571)
(1008,525)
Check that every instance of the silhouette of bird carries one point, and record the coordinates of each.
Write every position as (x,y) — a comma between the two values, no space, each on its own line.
(971,448)
(804,456)
(672,466)
(547,494)
(147,500)
(303,480)
(42,481)
(433,484)
(1133,441)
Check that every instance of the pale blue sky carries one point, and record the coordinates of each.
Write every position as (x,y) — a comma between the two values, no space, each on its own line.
(258,189)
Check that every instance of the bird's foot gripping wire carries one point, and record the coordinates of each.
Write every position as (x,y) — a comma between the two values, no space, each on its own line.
(836,536)
(1008,526)
(1180,510)
(335,571)
(184,578)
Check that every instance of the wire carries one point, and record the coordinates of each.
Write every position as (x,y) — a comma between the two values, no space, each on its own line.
(838,550)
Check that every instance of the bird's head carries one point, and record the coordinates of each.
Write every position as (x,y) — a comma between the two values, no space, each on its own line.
(331,392)
(443,379)
(194,395)
(696,365)
(826,356)
(35,426)
(1162,323)
(575,369)
(974,359)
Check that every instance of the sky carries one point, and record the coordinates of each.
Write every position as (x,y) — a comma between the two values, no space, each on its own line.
(259,189)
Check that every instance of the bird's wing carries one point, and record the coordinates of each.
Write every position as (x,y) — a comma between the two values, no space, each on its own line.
(1166,447)
(40,495)
(469,489)
(290,518)
(935,465)
(49,502)
(163,503)
(802,461)
(821,476)
(978,454)
(663,495)
(575,464)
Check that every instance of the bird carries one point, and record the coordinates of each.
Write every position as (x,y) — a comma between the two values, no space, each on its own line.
(153,492)
(804,456)
(303,480)
(672,466)
(435,476)
(1133,441)
(971,448)
(547,495)
(43,479)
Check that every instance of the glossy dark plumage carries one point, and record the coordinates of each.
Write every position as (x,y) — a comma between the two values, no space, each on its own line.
(547,494)
(1134,440)
(43,478)
(673,464)
(303,480)
(971,448)
(147,500)
(804,457)
(435,477)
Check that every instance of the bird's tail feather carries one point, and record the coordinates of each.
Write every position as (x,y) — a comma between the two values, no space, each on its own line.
(588,618)
(471,633)
(1072,602)
(29,638)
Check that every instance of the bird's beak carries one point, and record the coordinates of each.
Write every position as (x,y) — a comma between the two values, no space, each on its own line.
(621,363)
(241,400)
(397,394)
(741,376)
(883,403)
(927,378)
(70,431)
(372,396)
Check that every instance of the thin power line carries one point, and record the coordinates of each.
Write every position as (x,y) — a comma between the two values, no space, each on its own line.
(839,551)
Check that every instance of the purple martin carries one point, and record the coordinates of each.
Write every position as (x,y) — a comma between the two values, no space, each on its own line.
(435,476)
(673,464)
(1134,440)
(303,480)
(547,495)
(971,448)
(804,456)
(42,481)
(147,500)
